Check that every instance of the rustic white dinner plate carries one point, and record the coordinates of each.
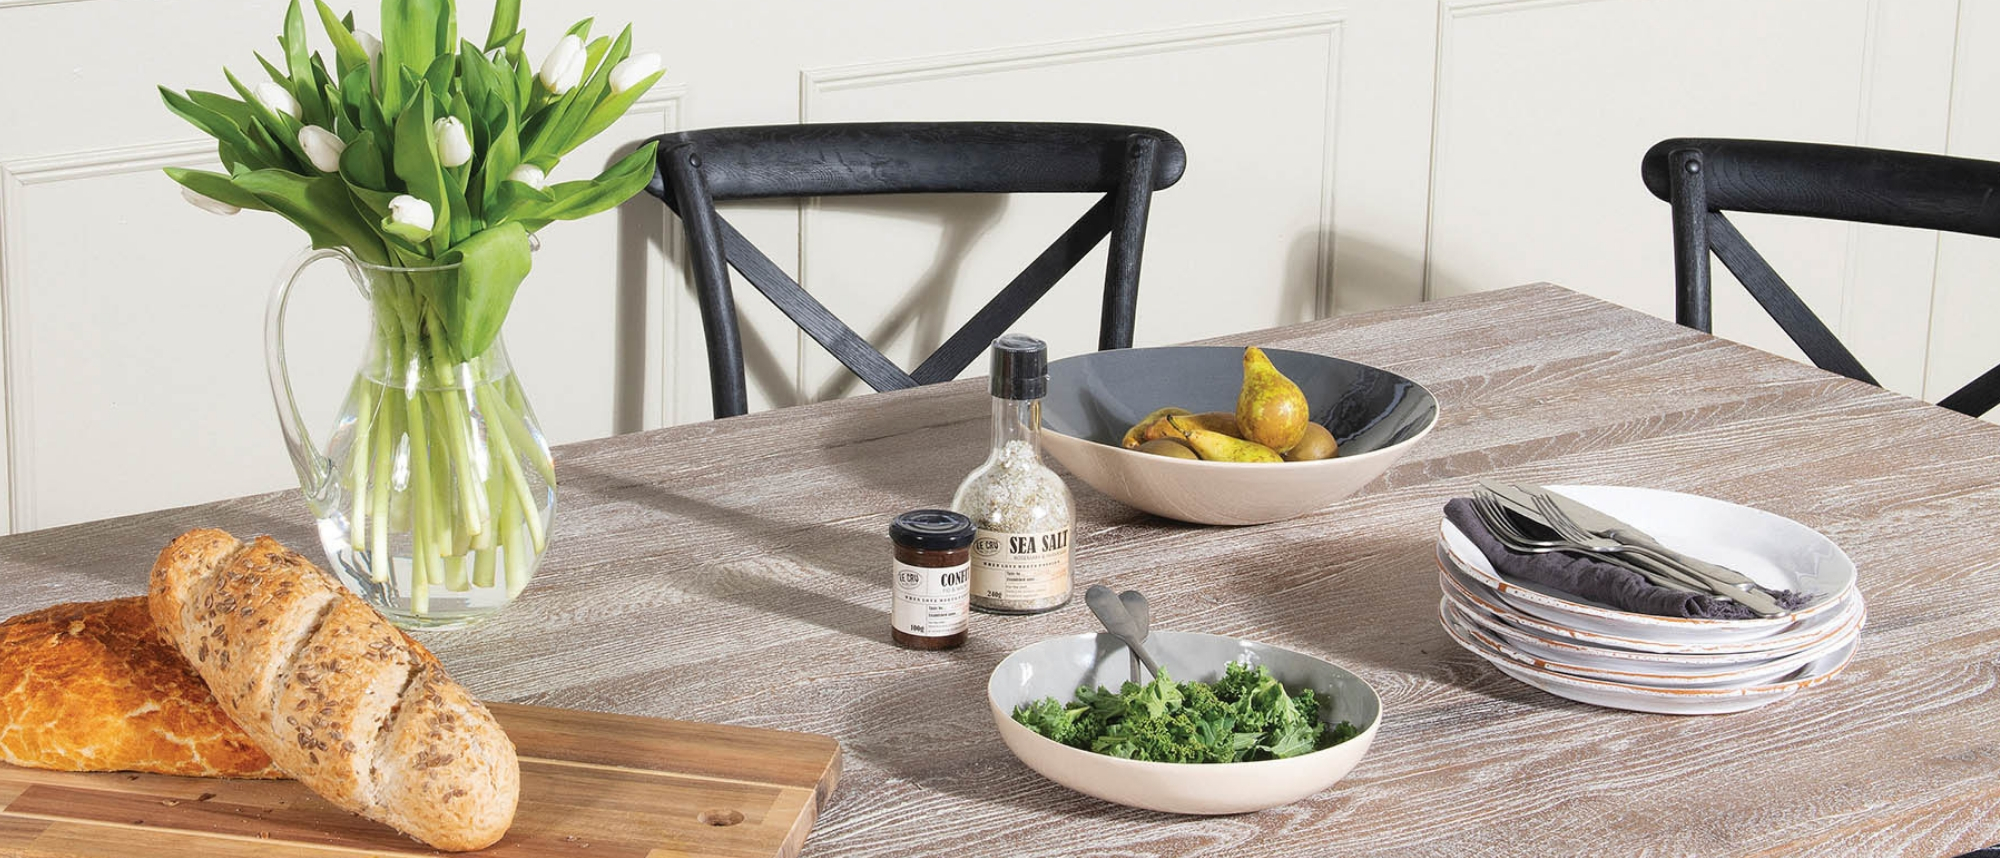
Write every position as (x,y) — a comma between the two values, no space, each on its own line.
(1663,701)
(1576,654)
(1772,550)
(1588,664)
(1456,580)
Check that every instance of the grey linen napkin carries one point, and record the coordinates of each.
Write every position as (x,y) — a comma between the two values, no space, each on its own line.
(1598,581)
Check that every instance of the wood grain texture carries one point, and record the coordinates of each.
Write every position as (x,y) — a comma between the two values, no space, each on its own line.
(613,785)
(736,572)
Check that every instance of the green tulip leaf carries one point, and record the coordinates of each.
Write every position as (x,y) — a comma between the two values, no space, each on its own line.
(320,205)
(301,90)
(297,52)
(506,18)
(572,200)
(218,126)
(361,163)
(492,263)
(608,110)
(565,137)
(417,164)
(412,235)
(216,186)
(237,111)
(347,50)
(280,130)
(414,33)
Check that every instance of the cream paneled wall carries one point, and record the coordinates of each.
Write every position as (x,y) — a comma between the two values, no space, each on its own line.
(1342,156)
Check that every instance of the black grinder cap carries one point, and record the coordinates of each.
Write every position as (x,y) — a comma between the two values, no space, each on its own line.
(1020,367)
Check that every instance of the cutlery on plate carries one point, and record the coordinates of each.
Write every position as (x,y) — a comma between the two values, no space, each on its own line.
(1603,524)
(1558,519)
(1520,498)
(1117,620)
(1142,613)
(1499,521)
(1551,509)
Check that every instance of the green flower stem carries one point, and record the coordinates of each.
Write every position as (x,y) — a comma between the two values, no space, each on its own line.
(442,450)
(503,452)
(388,421)
(358,473)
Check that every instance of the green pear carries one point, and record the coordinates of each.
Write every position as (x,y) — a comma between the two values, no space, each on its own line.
(1217,447)
(1270,409)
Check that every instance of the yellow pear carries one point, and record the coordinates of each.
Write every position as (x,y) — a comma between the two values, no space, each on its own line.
(1136,435)
(1175,427)
(1270,409)
(1317,444)
(1169,448)
(1217,447)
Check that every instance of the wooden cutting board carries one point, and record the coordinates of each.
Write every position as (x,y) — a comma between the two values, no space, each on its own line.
(592,786)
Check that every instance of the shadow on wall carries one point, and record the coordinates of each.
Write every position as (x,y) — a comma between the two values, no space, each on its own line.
(962,219)
(1367,276)
(643,226)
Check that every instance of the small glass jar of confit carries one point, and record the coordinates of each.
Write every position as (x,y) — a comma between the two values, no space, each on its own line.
(927,601)
(1021,552)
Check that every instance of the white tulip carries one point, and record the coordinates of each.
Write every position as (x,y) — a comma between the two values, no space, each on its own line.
(563,69)
(277,99)
(369,44)
(322,147)
(207,203)
(410,211)
(629,73)
(530,175)
(453,144)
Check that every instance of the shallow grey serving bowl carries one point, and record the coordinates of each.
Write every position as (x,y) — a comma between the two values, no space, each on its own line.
(1056,667)
(1375,415)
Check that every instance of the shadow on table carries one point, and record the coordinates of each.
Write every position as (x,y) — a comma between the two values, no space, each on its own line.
(1373,608)
(849,552)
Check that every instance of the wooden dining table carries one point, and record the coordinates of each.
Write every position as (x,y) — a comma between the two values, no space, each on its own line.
(737,571)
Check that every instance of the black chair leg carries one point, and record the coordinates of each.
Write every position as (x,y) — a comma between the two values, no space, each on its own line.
(682,166)
(1128,240)
(1690,212)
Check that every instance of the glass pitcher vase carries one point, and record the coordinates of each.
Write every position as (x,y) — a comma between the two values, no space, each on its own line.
(435,491)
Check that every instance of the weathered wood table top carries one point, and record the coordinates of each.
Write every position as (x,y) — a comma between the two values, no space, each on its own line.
(736,571)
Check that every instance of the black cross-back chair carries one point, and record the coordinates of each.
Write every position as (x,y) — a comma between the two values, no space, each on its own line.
(698,168)
(1703,178)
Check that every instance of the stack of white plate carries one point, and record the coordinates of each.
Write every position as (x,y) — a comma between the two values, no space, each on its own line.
(1590,652)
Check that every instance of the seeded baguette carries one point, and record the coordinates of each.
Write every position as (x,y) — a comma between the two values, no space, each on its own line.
(340,699)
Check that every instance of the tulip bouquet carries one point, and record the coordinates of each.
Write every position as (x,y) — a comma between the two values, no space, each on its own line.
(426,159)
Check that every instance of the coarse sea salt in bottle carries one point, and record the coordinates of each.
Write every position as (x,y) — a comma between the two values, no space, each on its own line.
(1019,508)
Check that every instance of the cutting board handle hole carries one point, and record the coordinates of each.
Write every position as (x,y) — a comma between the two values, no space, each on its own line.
(720,817)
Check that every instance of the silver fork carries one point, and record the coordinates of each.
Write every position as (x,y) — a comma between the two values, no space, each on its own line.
(1567,528)
(1493,513)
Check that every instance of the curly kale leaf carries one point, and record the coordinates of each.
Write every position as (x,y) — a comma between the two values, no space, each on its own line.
(1245,715)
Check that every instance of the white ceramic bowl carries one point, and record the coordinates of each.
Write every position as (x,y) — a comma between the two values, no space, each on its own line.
(1057,667)
(1375,415)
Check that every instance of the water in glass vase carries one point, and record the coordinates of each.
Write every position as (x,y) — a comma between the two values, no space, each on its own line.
(438,500)
(436,489)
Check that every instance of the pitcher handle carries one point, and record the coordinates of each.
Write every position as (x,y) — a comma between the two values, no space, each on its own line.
(314,469)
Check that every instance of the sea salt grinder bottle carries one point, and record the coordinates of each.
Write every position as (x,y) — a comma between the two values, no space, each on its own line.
(1019,508)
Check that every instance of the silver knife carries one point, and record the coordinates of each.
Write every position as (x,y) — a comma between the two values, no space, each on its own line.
(1720,580)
